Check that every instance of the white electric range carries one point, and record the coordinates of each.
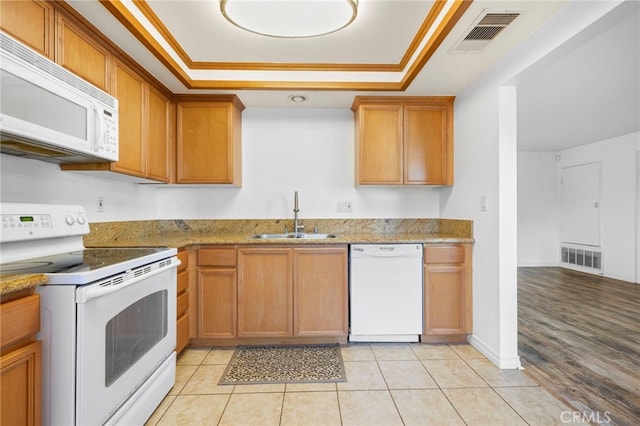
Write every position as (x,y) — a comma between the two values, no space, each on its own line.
(107,316)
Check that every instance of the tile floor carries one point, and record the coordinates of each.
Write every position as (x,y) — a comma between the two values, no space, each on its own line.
(388,384)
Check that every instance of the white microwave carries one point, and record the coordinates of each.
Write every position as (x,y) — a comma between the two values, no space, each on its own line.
(49,113)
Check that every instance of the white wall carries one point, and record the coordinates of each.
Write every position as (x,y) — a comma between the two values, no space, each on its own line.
(33,181)
(538,226)
(618,216)
(483,168)
(308,150)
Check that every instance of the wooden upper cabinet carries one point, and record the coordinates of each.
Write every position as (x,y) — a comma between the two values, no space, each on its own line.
(145,128)
(379,144)
(81,54)
(30,21)
(130,90)
(404,140)
(159,128)
(209,135)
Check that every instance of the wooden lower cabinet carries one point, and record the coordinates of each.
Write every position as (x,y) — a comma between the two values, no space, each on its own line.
(182,306)
(265,292)
(320,291)
(292,292)
(20,362)
(447,292)
(217,293)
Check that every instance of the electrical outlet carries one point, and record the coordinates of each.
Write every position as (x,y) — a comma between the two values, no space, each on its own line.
(345,207)
(100,204)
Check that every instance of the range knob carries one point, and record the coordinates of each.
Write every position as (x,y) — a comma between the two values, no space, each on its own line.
(70,220)
(81,220)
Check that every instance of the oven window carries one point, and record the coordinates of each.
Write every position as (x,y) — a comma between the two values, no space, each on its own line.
(133,332)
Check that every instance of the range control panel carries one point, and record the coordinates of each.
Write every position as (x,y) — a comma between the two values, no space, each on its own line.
(23,222)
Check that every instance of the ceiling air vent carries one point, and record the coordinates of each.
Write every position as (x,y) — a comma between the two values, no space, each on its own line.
(485,29)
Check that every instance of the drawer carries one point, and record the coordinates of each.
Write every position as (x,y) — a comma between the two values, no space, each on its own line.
(182,332)
(19,319)
(182,304)
(183,281)
(217,257)
(443,254)
(183,255)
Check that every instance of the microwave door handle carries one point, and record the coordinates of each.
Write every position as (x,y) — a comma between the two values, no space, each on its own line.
(98,129)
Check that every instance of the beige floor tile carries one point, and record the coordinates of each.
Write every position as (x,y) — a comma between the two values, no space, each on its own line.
(262,409)
(425,407)
(357,352)
(497,377)
(183,374)
(482,407)
(393,352)
(311,387)
(160,410)
(310,408)
(433,351)
(406,375)
(205,381)
(362,375)
(260,388)
(537,406)
(194,410)
(466,351)
(368,408)
(453,373)
(192,356)
(219,356)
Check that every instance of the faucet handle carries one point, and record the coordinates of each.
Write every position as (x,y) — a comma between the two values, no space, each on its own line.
(286,230)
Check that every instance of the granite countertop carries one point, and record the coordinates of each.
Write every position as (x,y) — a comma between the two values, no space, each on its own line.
(184,233)
(184,239)
(10,283)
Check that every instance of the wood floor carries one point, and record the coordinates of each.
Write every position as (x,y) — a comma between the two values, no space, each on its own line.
(579,338)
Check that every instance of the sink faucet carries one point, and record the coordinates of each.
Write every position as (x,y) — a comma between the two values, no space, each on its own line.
(296,226)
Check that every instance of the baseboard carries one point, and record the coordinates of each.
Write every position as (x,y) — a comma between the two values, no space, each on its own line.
(511,363)
(538,264)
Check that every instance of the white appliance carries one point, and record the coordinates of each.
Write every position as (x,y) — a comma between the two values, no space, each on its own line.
(49,113)
(108,324)
(385,293)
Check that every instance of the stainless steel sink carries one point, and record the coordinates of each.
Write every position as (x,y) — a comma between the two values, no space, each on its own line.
(299,235)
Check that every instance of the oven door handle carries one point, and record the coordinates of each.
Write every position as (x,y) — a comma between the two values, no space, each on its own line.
(113,284)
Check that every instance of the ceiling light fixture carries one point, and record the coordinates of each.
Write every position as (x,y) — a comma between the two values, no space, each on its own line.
(290,18)
(297,98)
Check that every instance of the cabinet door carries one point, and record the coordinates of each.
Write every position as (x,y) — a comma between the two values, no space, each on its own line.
(444,299)
(217,301)
(320,291)
(130,91)
(30,21)
(379,145)
(81,54)
(207,143)
(425,145)
(158,135)
(21,386)
(265,292)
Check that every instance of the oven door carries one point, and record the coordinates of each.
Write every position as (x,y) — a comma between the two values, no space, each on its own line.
(125,332)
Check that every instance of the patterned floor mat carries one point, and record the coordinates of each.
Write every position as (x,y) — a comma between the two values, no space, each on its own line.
(285,364)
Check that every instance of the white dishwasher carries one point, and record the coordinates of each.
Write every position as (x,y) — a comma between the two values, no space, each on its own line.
(385,298)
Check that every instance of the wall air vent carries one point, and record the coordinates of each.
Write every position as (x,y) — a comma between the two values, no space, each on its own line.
(485,29)
(583,258)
